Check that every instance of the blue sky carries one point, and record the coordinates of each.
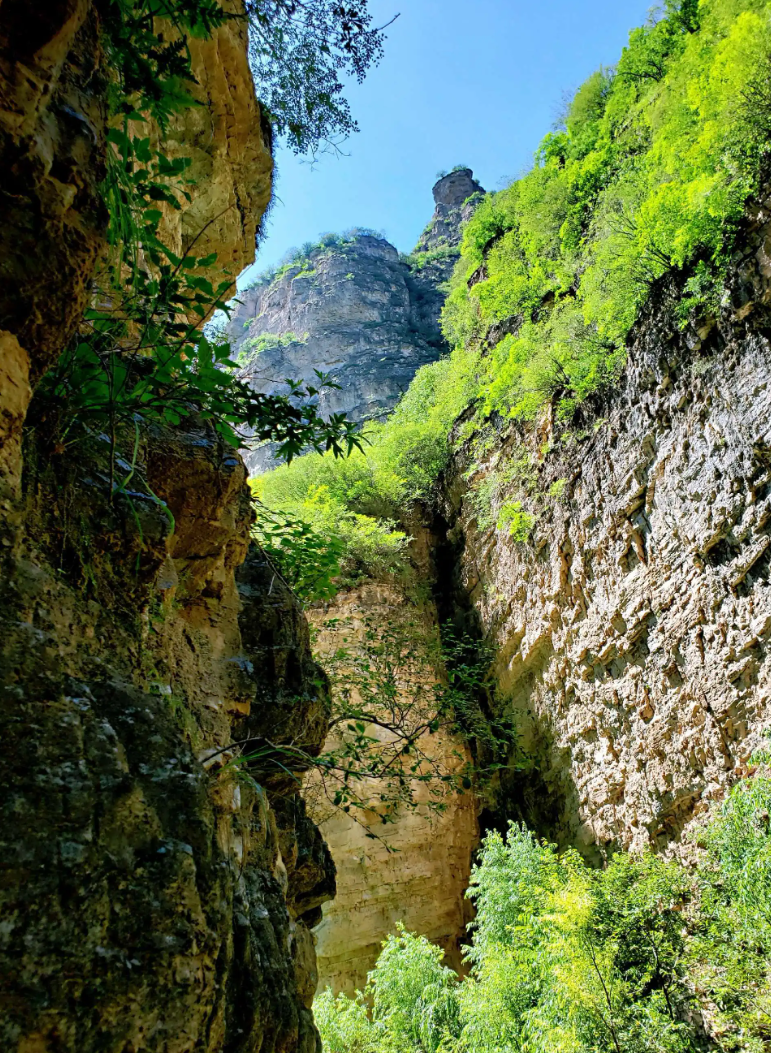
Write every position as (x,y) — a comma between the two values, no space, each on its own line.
(475,82)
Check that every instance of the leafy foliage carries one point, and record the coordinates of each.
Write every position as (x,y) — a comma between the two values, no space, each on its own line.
(414,996)
(299,49)
(345,1024)
(255,345)
(361,497)
(367,544)
(151,70)
(650,173)
(645,956)
(513,518)
(397,689)
(307,559)
(402,697)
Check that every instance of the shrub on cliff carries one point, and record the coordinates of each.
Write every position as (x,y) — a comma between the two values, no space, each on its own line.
(650,173)
(360,497)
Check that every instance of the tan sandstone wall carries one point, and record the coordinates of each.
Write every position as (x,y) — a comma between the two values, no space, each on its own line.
(422,881)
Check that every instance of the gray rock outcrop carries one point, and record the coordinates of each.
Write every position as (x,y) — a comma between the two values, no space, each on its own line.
(455,197)
(353,309)
(632,629)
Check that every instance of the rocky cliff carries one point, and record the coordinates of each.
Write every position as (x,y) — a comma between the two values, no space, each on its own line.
(630,614)
(352,309)
(455,196)
(154,895)
(418,872)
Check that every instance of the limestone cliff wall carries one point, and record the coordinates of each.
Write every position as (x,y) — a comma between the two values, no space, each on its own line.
(153,895)
(355,311)
(631,630)
(419,872)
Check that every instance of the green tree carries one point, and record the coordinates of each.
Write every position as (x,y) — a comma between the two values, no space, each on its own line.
(299,51)
(414,996)
(642,956)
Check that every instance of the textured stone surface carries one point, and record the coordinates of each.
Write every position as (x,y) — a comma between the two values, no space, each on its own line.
(52,128)
(229,147)
(152,896)
(422,883)
(352,317)
(14,399)
(354,311)
(632,631)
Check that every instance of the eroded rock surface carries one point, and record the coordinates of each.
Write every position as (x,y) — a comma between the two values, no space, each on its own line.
(228,143)
(151,896)
(632,630)
(355,311)
(423,882)
(154,896)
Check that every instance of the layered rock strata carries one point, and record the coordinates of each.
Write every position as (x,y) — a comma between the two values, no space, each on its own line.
(631,631)
(155,895)
(355,311)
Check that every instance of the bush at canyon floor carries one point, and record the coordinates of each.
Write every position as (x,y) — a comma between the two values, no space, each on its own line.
(645,956)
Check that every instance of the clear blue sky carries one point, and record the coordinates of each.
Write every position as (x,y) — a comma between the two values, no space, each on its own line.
(475,82)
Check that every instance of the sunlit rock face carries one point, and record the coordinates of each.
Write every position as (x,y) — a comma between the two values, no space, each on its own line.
(455,197)
(418,873)
(632,631)
(355,311)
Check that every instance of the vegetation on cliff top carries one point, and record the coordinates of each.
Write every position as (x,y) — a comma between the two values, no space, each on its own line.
(645,956)
(304,257)
(649,175)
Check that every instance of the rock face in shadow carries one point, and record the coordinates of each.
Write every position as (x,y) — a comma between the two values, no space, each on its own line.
(354,310)
(52,143)
(632,629)
(154,895)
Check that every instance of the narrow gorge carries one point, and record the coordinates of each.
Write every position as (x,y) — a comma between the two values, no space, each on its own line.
(385,640)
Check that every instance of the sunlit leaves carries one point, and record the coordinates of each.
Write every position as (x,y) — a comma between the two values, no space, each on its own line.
(643,956)
(650,174)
